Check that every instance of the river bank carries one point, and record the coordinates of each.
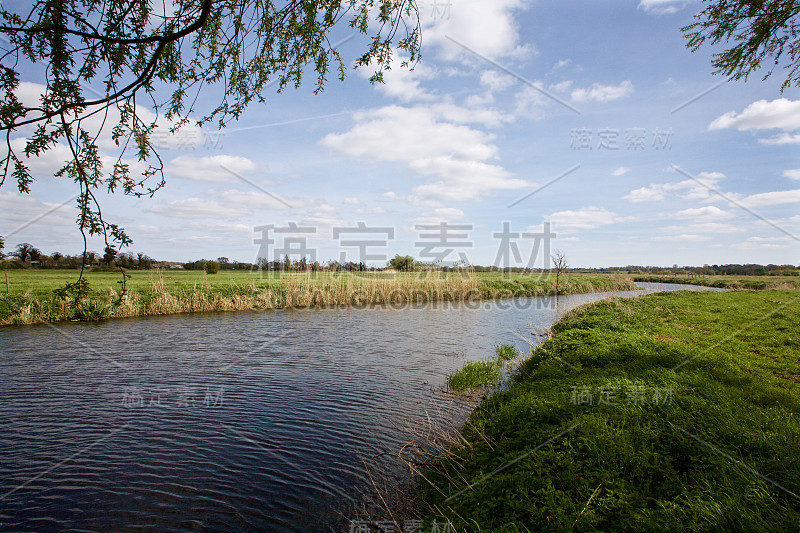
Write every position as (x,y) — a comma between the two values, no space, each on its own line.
(673,411)
(157,293)
(729,282)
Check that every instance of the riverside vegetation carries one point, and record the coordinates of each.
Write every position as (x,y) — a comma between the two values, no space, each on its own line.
(34,295)
(674,411)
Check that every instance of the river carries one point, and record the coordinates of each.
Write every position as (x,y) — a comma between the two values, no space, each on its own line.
(235,421)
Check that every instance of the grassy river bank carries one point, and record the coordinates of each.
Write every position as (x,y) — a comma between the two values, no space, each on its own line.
(670,412)
(31,297)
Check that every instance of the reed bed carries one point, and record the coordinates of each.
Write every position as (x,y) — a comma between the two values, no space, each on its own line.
(298,290)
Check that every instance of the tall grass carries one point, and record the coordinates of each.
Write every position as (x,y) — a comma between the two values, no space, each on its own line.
(160,294)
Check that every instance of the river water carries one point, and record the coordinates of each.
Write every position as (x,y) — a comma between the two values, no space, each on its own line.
(240,421)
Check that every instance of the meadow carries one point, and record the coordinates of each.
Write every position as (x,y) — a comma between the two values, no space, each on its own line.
(31,293)
(675,411)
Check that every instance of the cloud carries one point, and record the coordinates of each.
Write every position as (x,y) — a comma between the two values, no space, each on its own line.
(708,212)
(781,114)
(585,218)
(693,189)
(756,243)
(781,139)
(662,7)
(212,168)
(771,198)
(704,227)
(455,156)
(499,30)
(437,216)
(620,171)
(196,208)
(403,83)
(248,201)
(351,201)
(684,237)
(603,93)
(496,81)
(792,174)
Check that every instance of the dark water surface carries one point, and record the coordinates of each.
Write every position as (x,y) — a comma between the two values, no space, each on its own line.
(238,421)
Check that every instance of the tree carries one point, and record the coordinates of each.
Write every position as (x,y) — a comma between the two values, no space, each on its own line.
(2,245)
(403,263)
(212,267)
(25,251)
(560,265)
(759,32)
(109,255)
(151,67)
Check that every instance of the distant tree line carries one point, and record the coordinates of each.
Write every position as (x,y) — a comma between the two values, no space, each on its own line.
(29,255)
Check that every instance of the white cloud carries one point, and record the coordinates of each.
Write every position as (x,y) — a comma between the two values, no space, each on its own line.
(704,227)
(496,81)
(371,211)
(529,102)
(498,36)
(403,83)
(351,201)
(585,218)
(693,189)
(781,139)
(438,215)
(603,93)
(620,171)
(781,114)
(662,7)
(212,168)
(708,212)
(771,198)
(684,237)
(792,174)
(196,208)
(756,243)
(256,200)
(454,155)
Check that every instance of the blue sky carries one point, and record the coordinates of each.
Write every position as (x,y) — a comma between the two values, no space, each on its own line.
(509,96)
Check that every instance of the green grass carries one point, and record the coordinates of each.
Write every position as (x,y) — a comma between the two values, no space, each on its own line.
(657,448)
(506,352)
(729,282)
(475,375)
(31,295)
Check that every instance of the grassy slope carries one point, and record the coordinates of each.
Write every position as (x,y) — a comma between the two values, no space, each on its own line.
(740,394)
(154,292)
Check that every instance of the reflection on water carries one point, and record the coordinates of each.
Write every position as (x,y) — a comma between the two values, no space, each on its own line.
(242,421)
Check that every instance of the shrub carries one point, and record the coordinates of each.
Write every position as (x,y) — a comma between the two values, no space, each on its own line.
(212,267)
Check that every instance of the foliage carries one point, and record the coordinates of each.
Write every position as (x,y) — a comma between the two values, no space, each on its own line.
(26,251)
(759,34)
(149,63)
(212,267)
(633,462)
(403,263)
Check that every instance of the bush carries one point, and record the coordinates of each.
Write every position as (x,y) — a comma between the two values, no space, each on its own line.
(212,267)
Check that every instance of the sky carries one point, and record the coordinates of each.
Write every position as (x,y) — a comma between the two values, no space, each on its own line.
(592,117)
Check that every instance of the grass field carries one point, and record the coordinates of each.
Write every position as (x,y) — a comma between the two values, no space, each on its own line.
(728,282)
(669,412)
(31,294)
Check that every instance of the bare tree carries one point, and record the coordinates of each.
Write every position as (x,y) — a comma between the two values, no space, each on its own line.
(560,265)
